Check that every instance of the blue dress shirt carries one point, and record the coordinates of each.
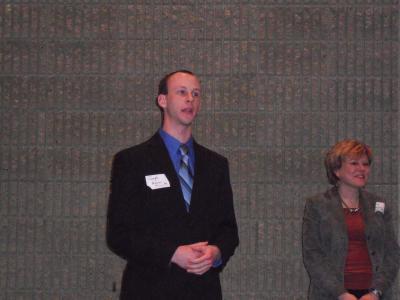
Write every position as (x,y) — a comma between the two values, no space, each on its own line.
(173,145)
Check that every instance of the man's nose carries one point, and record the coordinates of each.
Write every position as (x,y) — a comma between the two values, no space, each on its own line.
(189,96)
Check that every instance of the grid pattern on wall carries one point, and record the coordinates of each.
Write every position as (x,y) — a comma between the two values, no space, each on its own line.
(282,81)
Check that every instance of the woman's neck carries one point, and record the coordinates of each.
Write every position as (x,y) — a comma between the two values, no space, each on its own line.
(350,196)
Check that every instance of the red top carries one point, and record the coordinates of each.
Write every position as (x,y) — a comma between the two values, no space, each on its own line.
(358,268)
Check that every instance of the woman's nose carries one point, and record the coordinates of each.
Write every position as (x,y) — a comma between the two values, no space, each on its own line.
(361,166)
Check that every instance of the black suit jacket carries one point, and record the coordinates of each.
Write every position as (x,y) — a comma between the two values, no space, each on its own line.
(145,226)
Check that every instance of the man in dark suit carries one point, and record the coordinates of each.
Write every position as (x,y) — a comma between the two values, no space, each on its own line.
(170,213)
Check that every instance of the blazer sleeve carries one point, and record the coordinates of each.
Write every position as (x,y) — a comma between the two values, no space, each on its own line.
(226,236)
(387,271)
(126,233)
(317,261)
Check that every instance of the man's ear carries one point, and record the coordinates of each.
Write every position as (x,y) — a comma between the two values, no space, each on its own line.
(162,100)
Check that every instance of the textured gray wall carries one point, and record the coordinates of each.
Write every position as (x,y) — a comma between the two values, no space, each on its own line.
(282,81)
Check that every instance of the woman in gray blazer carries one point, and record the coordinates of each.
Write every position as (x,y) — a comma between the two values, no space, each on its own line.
(349,245)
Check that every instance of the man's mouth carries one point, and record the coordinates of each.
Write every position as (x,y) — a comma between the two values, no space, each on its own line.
(188,110)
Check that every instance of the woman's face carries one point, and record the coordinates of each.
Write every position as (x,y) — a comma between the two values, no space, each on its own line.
(354,171)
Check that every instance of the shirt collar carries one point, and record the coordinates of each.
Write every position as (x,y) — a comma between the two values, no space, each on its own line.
(173,144)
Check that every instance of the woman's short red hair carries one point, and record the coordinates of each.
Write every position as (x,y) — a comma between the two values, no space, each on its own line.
(341,150)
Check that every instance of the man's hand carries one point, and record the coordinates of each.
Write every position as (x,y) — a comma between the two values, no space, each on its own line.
(347,296)
(202,264)
(185,254)
(196,258)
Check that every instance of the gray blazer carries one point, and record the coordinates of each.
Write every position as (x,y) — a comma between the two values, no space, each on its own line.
(325,244)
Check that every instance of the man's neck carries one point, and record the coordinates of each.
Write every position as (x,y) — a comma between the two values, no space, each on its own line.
(182,134)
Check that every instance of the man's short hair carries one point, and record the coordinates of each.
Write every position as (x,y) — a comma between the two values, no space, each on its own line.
(163,84)
(340,151)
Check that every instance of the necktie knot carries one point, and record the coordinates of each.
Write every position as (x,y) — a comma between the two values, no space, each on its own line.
(184,149)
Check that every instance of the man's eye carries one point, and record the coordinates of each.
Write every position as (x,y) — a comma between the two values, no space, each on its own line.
(181,92)
(196,94)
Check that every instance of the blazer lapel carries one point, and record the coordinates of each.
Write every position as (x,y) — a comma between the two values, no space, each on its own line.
(367,212)
(337,210)
(159,161)
(199,178)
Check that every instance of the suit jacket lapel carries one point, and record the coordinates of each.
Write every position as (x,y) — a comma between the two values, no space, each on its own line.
(199,178)
(158,159)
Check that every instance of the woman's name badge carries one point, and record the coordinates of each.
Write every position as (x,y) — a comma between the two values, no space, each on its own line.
(380,207)
(157,181)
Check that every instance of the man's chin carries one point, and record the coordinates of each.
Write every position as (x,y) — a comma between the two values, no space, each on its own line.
(187,122)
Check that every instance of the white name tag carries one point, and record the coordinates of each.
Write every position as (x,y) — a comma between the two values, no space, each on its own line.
(380,207)
(157,181)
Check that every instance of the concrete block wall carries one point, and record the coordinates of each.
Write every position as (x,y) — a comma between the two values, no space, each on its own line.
(282,81)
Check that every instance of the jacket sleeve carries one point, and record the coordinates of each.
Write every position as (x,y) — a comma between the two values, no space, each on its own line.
(126,232)
(317,261)
(386,274)
(225,236)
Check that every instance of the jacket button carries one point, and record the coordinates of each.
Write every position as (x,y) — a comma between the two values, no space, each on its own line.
(373,253)
(377,268)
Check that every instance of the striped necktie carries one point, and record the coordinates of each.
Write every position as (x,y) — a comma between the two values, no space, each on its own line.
(185,177)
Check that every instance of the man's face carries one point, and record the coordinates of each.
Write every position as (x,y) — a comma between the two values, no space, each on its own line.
(182,102)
